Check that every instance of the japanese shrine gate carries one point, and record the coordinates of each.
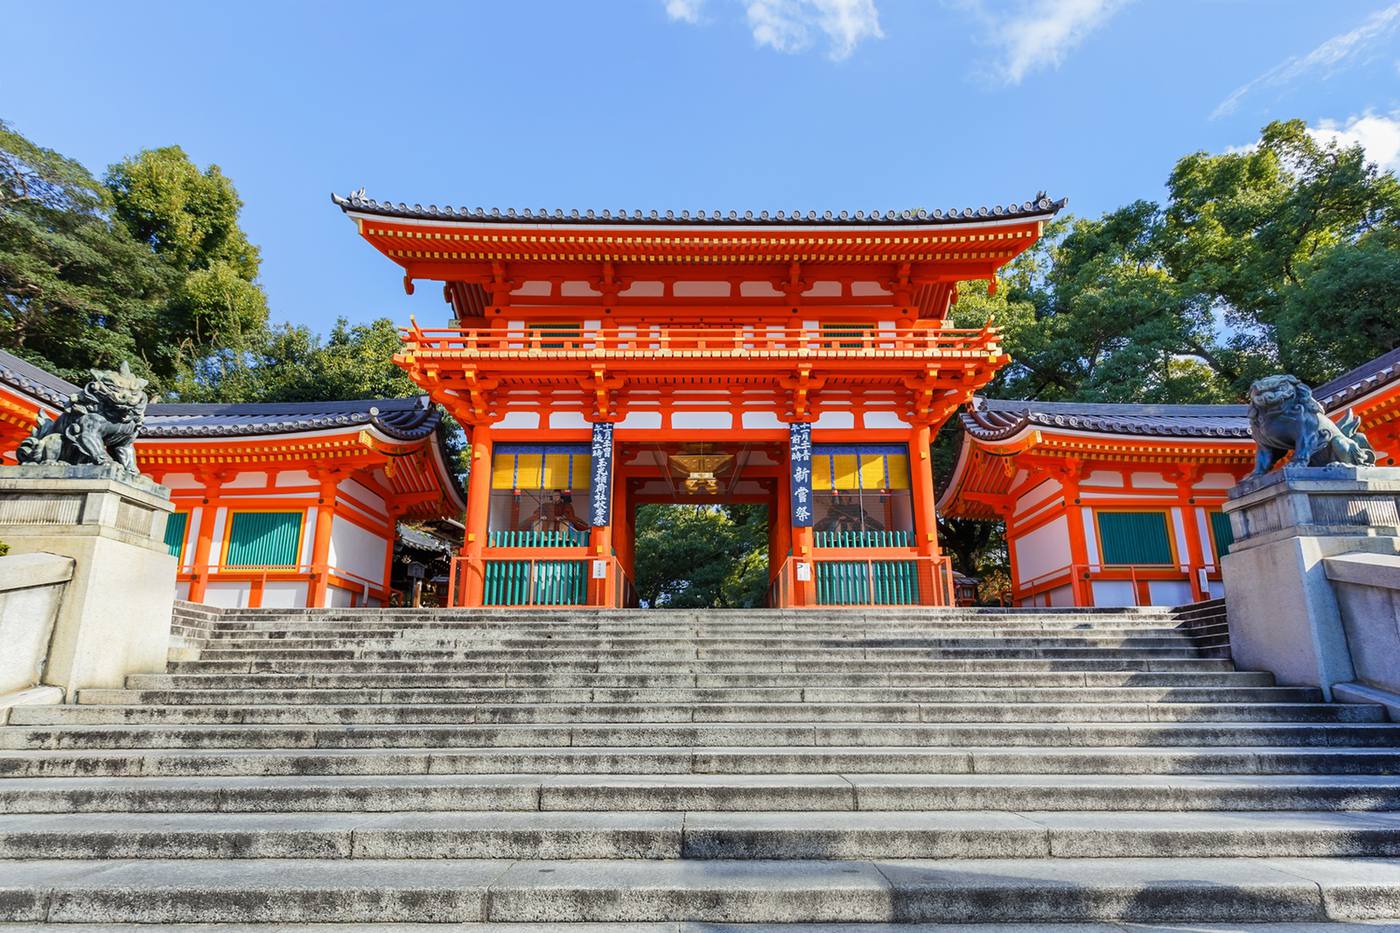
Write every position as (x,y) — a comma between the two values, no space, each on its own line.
(599,361)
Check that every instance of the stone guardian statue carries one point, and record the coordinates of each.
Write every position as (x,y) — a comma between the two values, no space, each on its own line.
(97,426)
(1284,418)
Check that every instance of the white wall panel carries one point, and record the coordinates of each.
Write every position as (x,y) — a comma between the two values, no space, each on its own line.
(1043,550)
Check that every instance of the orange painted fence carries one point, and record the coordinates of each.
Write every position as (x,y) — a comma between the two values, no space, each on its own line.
(896,578)
(1080,578)
(257,576)
(661,340)
(529,581)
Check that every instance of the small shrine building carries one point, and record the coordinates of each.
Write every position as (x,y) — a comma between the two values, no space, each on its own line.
(1120,505)
(276,504)
(601,360)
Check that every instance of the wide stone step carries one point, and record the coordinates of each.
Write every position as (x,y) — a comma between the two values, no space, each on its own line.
(953,638)
(829,891)
(820,734)
(970,712)
(707,835)
(794,694)
(724,792)
(746,760)
(976,661)
(778,679)
(701,927)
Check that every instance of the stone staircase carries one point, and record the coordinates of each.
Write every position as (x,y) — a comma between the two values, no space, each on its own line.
(684,771)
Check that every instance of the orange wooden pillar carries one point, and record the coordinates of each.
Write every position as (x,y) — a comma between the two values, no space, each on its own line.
(318,588)
(204,540)
(925,516)
(473,586)
(602,591)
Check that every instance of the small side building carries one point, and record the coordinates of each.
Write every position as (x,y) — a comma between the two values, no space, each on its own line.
(276,504)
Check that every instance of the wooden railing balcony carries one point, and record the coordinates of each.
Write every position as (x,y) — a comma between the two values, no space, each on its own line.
(749,341)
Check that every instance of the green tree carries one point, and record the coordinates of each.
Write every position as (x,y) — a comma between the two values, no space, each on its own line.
(696,556)
(76,289)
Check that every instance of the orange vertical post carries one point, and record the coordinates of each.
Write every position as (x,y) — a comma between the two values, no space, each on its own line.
(319,587)
(925,516)
(204,541)
(478,514)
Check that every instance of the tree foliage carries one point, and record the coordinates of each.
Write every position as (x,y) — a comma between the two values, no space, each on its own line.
(695,556)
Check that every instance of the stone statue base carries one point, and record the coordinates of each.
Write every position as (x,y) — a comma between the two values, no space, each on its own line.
(115,614)
(1283,612)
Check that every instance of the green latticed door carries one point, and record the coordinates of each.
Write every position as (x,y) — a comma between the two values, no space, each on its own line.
(175,526)
(858,582)
(553,583)
(263,539)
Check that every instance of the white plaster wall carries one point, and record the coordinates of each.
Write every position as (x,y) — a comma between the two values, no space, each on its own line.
(192,536)
(1103,478)
(1203,531)
(884,419)
(363,494)
(567,419)
(182,591)
(337,598)
(1215,589)
(641,420)
(285,594)
(1043,550)
(308,537)
(357,550)
(180,481)
(760,420)
(835,419)
(1215,481)
(1091,538)
(1179,530)
(1146,480)
(1037,495)
(216,548)
(1059,596)
(520,419)
(1169,592)
(229,594)
(698,420)
(1113,593)
(251,480)
(294,478)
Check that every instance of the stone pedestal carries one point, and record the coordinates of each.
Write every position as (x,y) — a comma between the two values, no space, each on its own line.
(1283,611)
(115,614)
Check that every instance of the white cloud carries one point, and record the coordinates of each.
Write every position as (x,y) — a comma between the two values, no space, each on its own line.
(1036,34)
(792,26)
(1378,135)
(1327,59)
(685,11)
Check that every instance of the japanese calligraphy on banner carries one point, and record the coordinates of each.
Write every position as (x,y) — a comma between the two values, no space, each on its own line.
(800,456)
(600,496)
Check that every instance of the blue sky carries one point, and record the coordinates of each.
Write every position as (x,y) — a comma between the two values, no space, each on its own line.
(743,104)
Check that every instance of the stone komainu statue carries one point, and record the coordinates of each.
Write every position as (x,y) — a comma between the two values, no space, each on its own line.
(1284,418)
(97,426)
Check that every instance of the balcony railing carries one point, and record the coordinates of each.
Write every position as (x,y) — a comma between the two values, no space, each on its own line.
(662,341)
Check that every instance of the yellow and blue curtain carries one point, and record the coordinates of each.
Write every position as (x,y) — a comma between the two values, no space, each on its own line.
(865,467)
(536,466)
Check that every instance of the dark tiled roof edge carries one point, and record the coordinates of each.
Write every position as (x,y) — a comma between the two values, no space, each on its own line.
(402,419)
(37,383)
(1360,381)
(997,419)
(1039,206)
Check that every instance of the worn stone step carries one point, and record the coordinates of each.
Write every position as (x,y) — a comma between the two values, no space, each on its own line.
(793,694)
(977,661)
(1278,760)
(702,792)
(844,642)
(941,679)
(820,734)
(456,890)
(969,712)
(700,835)
(702,927)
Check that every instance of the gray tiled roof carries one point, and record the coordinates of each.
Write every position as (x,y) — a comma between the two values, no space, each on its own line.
(30,380)
(1039,206)
(997,419)
(1362,380)
(400,418)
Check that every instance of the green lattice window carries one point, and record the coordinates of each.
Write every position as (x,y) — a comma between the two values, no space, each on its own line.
(263,539)
(175,527)
(1221,533)
(1134,538)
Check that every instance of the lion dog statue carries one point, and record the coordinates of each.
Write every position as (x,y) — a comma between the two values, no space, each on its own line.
(1284,419)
